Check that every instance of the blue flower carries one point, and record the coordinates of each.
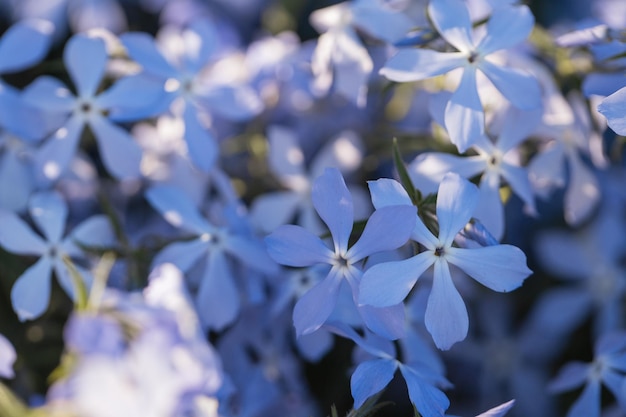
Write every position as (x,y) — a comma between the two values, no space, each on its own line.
(499,267)
(387,229)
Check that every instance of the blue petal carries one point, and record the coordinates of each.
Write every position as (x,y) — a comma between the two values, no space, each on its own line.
(17,237)
(369,378)
(520,88)
(389,283)
(388,228)
(464,116)
(96,231)
(218,297)
(388,322)
(273,209)
(252,253)
(456,202)
(25,44)
(446,316)
(131,95)
(183,255)
(428,399)
(452,20)
(387,192)
(142,48)
(120,153)
(498,411)
(86,60)
(506,27)
(501,267)
(49,94)
(420,64)
(30,294)
(237,103)
(54,156)
(333,203)
(202,147)
(7,358)
(295,246)
(583,191)
(16,181)
(177,209)
(588,404)
(428,169)
(314,307)
(49,211)
(201,42)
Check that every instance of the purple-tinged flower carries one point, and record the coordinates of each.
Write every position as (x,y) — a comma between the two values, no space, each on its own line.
(86,59)
(500,267)
(464,115)
(387,229)
(30,294)
(218,298)
(608,368)
(7,358)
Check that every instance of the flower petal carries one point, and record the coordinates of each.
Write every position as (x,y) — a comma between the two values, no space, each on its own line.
(428,169)
(237,103)
(333,203)
(49,94)
(429,400)
(420,64)
(218,297)
(452,20)
(85,59)
(369,378)
(583,192)
(183,255)
(295,246)
(314,307)
(387,192)
(506,27)
(498,411)
(464,115)
(7,358)
(202,147)
(588,404)
(54,156)
(389,283)
(388,228)
(456,202)
(177,209)
(96,231)
(142,49)
(24,44)
(388,322)
(520,88)
(17,237)
(131,95)
(251,252)
(120,153)
(501,267)
(446,316)
(49,211)
(273,209)
(30,294)
(614,109)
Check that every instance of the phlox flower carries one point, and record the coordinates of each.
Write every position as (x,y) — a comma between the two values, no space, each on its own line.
(608,369)
(464,115)
(496,162)
(614,109)
(86,59)
(386,229)
(499,267)
(180,62)
(378,369)
(30,294)
(218,298)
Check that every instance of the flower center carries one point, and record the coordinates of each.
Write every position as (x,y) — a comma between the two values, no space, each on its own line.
(439,251)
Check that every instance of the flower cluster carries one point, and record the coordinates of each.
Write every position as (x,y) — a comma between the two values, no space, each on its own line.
(250,208)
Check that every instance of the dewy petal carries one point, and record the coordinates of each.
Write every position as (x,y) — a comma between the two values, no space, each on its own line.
(218,297)
(85,59)
(369,378)
(120,153)
(506,27)
(30,294)
(24,44)
(388,228)
(142,48)
(419,64)
(456,202)
(582,193)
(183,255)
(295,246)
(314,307)
(333,203)
(464,115)
(501,267)
(446,316)
(389,283)
(54,156)
(49,211)
(202,147)
(452,20)
(17,237)
(428,399)
(614,109)
(177,208)
(520,88)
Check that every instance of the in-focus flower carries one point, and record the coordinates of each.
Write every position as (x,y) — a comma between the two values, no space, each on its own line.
(499,267)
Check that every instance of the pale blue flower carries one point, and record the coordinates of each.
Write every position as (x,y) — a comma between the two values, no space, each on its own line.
(464,115)
(31,292)
(499,267)
(614,109)
(387,229)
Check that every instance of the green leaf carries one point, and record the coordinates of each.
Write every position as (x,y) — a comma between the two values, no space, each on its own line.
(405,179)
